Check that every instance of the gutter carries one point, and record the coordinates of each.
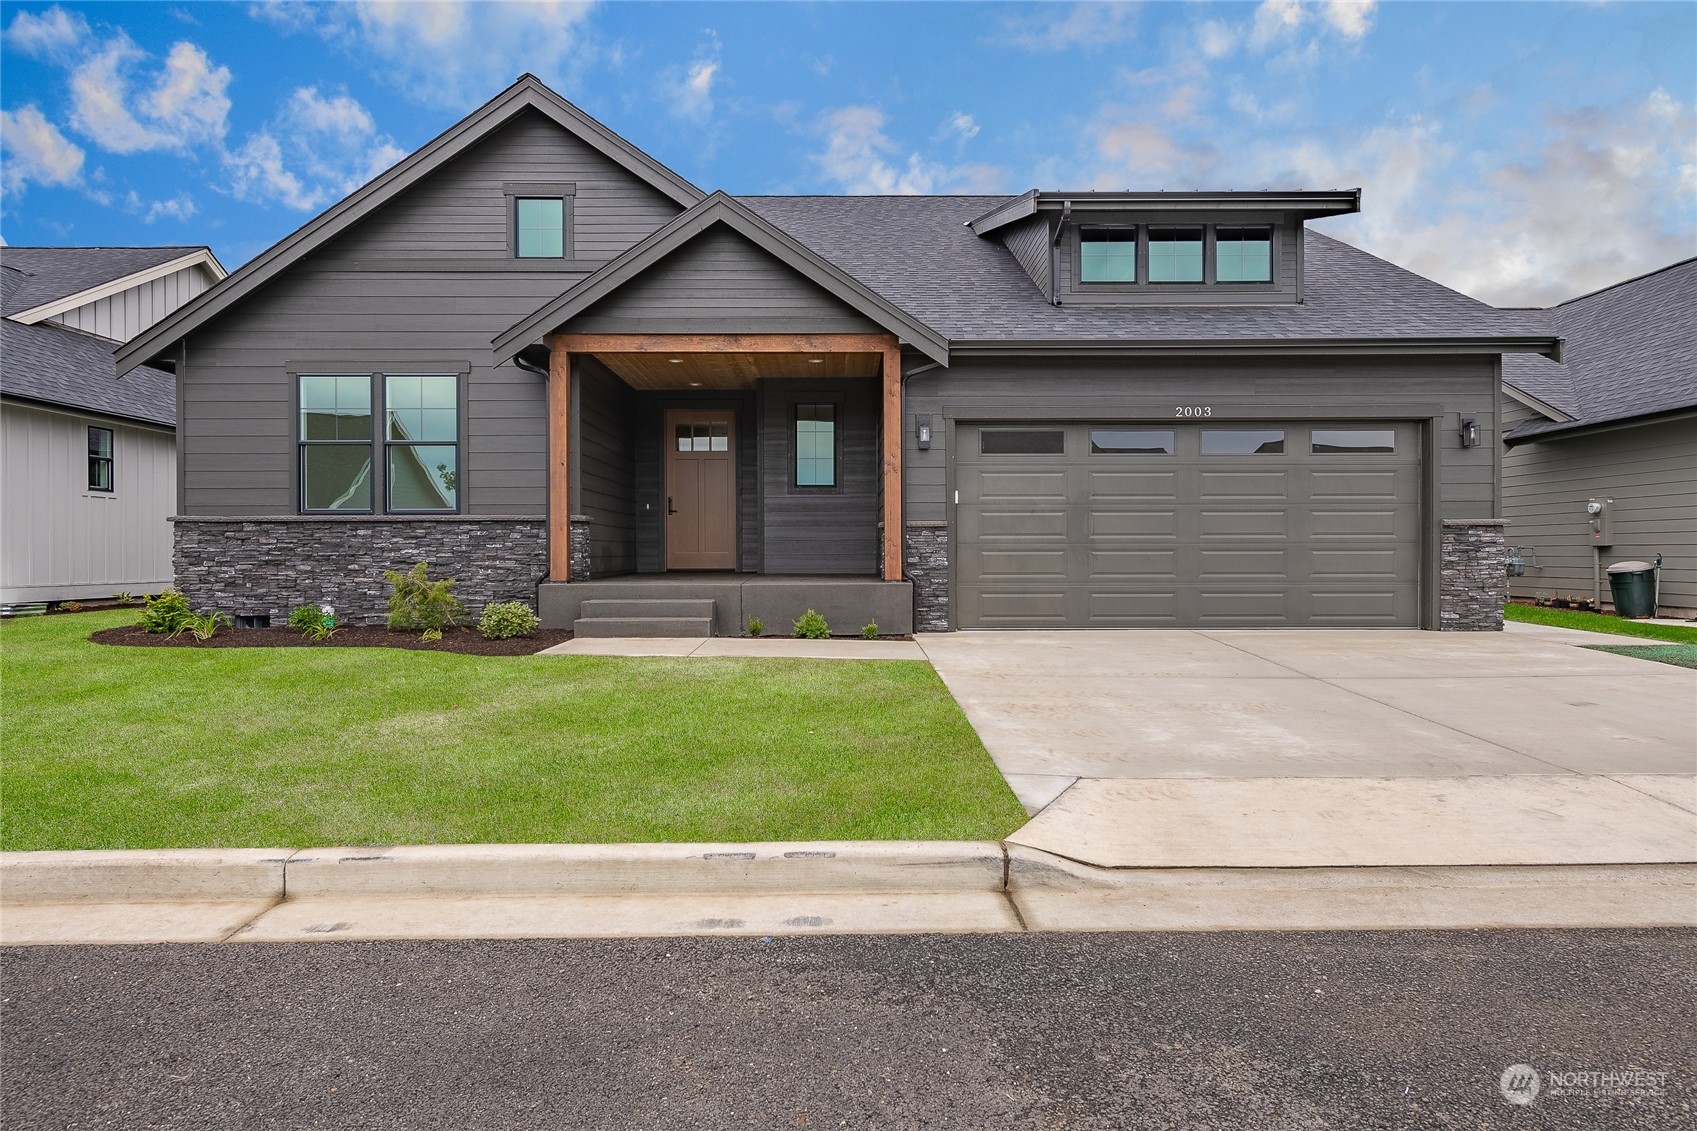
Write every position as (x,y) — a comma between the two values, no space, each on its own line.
(1227,346)
(1055,254)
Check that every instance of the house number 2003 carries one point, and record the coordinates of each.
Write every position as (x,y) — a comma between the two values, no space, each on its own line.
(1194,410)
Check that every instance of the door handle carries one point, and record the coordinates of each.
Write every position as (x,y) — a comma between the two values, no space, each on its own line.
(670,509)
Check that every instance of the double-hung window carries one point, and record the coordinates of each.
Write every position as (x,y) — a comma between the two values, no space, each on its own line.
(421,441)
(100,460)
(335,442)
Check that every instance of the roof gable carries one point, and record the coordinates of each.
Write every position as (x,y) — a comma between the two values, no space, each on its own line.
(48,281)
(721,212)
(528,93)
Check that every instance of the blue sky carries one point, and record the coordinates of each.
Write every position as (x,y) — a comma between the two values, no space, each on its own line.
(1523,152)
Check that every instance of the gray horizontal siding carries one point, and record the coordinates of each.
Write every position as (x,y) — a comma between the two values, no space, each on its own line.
(721,283)
(604,479)
(807,530)
(1651,473)
(1028,240)
(330,314)
(1106,389)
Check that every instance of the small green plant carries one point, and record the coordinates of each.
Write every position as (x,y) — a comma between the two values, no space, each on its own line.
(503,619)
(70,606)
(168,612)
(811,626)
(431,634)
(420,604)
(756,626)
(870,630)
(204,626)
(124,598)
(316,622)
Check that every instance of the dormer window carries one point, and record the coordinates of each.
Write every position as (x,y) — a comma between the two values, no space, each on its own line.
(1175,255)
(1107,255)
(1243,255)
(539,220)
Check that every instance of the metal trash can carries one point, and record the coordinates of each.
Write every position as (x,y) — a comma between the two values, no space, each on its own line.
(1634,587)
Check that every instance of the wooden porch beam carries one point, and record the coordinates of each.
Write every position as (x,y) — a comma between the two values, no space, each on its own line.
(723,343)
(892,412)
(559,461)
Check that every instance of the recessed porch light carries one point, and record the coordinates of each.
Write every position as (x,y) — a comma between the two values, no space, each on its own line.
(816,361)
(675,360)
(695,384)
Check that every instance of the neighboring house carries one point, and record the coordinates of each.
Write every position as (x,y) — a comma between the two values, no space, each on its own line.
(1615,421)
(537,358)
(87,462)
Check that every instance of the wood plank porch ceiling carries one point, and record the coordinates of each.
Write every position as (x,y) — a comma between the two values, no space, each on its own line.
(726,371)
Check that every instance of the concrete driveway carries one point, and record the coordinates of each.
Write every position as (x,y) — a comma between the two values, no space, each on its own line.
(1321,748)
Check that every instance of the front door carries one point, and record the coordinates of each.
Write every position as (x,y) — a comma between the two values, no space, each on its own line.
(701,489)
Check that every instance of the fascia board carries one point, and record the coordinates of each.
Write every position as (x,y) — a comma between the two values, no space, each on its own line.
(1542,407)
(200,257)
(1110,348)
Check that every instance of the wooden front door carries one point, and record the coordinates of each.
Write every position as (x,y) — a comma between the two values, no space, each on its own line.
(701,489)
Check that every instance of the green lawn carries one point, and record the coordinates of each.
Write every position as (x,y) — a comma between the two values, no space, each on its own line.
(1600,622)
(112,747)
(1679,655)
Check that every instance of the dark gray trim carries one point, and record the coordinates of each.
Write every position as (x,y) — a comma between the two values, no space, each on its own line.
(1044,349)
(1515,439)
(1309,205)
(528,93)
(494,264)
(721,209)
(538,188)
(1542,407)
(1431,522)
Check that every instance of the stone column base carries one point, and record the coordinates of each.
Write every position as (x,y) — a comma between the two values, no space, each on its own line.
(1473,576)
(926,559)
(580,547)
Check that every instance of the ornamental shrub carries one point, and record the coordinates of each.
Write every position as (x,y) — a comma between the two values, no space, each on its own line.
(870,630)
(756,626)
(503,619)
(168,612)
(811,626)
(420,604)
(304,618)
(206,625)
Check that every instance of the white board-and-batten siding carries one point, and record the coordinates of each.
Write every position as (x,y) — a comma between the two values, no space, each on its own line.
(124,315)
(59,540)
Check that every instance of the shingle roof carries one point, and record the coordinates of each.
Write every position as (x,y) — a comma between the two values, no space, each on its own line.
(1631,351)
(917,252)
(56,365)
(46,274)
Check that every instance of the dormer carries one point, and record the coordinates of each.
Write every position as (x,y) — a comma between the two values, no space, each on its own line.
(1163,248)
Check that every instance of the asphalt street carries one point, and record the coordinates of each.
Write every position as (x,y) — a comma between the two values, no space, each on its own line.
(1129,1031)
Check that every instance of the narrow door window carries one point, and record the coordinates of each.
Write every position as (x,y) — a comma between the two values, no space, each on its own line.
(100,459)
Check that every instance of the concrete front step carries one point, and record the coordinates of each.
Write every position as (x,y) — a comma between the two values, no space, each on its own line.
(647,627)
(599,608)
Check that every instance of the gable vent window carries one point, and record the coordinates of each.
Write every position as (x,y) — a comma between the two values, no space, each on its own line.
(100,459)
(1107,255)
(1243,255)
(1175,255)
(541,228)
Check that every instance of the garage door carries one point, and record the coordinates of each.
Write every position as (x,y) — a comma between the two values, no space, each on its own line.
(1212,526)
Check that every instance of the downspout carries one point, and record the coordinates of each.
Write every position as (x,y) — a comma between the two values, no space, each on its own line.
(531,367)
(1055,254)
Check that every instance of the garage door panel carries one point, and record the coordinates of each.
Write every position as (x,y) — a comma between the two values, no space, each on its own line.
(1133,524)
(1244,484)
(1172,539)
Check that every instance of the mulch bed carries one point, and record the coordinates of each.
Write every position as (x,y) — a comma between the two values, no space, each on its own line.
(465,641)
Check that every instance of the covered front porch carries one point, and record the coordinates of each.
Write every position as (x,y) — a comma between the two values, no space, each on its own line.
(701,481)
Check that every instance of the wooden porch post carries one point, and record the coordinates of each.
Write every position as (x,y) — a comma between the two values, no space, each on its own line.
(892,401)
(559,461)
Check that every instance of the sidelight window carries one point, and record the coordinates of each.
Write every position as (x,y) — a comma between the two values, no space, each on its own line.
(815,445)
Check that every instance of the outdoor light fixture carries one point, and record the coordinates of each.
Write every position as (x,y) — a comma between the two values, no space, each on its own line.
(923,432)
(695,384)
(675,360)
(1469,434)
(816,361)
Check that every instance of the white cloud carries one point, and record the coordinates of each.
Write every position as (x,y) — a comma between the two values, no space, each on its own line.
(1274,20)
(1216,39)
(36,151)
(1090,26)
(689,94)
(179,207)
(860,158)
(318,148)
(962,126)
(447,52)
(1350,18)
(184,107)
(51,35)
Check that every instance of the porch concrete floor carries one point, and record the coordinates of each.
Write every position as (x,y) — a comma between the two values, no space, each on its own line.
(1324,748)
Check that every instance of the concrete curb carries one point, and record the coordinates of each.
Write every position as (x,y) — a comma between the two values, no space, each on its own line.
(165,875)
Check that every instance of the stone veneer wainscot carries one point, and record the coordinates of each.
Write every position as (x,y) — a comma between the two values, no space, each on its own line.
(267,565)
(1473,576)
(927,562)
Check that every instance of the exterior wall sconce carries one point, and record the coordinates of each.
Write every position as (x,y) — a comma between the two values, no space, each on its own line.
(923,432)
(1469,434)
